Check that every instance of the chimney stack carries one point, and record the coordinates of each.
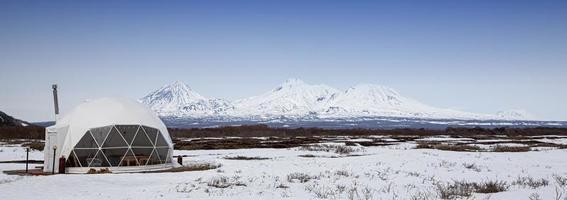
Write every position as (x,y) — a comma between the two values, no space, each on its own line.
(55,101)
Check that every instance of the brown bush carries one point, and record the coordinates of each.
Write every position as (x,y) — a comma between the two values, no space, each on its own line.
(447,147)
(35,145)
(22,132)
(491,187)
(502,148)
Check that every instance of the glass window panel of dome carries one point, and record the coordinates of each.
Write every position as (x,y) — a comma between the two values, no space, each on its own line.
(142,154)
(72,160)
(99,160)
(114,139)
(85,156)
(154,159)
(160,141)
(87,142)
(128,131)
(142,140)
(151,132)
(114,155)
(162,153)
(129,159)
(100,133)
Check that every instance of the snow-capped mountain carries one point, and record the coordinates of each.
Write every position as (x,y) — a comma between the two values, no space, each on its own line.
(514,114)
(293,98)
(299,100)
(178,99)
(367,100)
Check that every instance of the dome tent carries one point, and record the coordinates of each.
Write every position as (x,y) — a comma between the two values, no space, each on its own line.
(120,134)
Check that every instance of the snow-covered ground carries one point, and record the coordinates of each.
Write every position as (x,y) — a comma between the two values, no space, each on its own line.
(387,172)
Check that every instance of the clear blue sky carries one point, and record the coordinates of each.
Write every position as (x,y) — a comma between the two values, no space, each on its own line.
(478,56)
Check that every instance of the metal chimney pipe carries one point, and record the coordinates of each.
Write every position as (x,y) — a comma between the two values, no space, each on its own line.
(55,100)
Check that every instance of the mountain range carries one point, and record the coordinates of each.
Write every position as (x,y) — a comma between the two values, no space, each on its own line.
(295,99)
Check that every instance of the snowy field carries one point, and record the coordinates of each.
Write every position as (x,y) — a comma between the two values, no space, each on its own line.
(318,171)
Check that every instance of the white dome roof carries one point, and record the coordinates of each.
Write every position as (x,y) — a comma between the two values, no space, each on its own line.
(109,111)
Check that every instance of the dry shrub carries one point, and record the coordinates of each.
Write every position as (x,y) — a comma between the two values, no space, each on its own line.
(472,166)
(457,189)
(525,181)
(301,177)
(560,180)
(535,196)
(342,173)
(224,182)
(35,145)
(460,189)
(345,149)
(104,171)
(491,187)
(100,171)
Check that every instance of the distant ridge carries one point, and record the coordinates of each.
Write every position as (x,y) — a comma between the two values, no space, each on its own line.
(9,121)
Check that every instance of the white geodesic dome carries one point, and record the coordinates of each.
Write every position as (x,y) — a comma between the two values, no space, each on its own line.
(112,133)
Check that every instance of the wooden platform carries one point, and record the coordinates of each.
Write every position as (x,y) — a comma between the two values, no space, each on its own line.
(22,172)
(22,161)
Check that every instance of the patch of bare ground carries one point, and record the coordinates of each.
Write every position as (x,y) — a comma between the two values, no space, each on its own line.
(322,156)
(447,147)
(190,167)
(243,143)
(499,146)
(467,144)
(403,133)
(339,149)
(526,141)
(370,144)
(502,148)
(308,156)
(245,158)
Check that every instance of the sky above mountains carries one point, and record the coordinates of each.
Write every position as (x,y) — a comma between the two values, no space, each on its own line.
(477,56)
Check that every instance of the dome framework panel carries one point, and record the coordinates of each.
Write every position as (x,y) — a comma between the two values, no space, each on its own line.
(128,132)
(114,139)
(141,139)
(87,141)
(100,134)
